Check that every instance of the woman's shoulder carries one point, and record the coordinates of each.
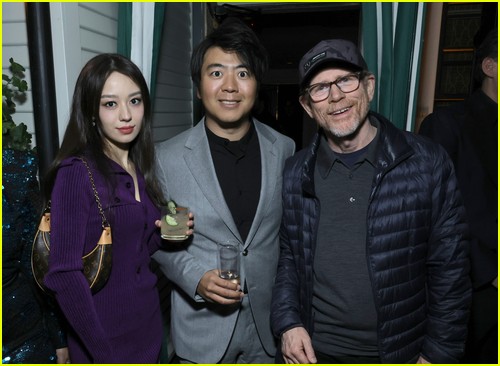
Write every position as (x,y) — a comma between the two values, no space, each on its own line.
(76,166)
(78,162)
(70,161)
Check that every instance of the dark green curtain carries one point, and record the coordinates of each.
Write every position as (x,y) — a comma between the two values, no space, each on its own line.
(124,29)
(158,31)
(392,39)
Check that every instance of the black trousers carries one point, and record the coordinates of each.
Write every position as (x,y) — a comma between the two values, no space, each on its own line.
(323,358)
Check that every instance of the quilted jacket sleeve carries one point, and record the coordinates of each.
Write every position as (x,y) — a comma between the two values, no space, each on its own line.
(287,311)
(285,306)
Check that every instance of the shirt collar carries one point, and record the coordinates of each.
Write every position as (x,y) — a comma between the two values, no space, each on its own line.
(234,147)
(327,157)
(223,141)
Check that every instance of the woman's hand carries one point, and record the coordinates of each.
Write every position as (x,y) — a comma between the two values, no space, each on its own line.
(63,355)
(190,224)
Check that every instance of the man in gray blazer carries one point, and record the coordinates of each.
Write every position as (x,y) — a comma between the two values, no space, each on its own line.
(228,171)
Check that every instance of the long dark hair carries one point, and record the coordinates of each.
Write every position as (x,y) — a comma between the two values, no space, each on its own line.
(83,134)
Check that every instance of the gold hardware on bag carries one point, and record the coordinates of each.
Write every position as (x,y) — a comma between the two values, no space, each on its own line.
(96,264)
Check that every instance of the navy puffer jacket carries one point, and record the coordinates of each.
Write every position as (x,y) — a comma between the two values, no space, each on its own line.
(417,249)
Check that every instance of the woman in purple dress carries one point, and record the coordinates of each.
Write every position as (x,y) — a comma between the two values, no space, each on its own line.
(110,125)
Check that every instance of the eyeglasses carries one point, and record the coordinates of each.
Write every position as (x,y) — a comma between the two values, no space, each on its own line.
(347,84)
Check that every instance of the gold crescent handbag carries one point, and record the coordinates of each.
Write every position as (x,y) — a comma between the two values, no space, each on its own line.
(96,264)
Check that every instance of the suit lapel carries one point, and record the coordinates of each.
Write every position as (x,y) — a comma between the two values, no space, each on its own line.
(269,162)
(199,161)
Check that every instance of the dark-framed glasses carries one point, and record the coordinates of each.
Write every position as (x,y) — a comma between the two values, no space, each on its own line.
(347,84)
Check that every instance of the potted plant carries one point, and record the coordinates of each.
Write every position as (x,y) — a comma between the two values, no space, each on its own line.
(20,191)
(14,136)
(18,158)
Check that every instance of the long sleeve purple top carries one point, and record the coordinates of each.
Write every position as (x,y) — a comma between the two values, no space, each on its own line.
(122,322)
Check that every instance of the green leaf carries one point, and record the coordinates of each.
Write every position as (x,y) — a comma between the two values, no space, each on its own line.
(14,136)
(24,86)
(21,85)
(17,137)
(16,68)
(7,125)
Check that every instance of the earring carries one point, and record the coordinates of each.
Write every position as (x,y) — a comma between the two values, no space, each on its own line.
(93,121)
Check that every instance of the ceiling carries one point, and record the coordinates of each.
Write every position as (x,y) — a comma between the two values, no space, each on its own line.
(289,30)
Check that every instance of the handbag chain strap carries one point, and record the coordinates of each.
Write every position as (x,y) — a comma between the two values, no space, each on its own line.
(98,201)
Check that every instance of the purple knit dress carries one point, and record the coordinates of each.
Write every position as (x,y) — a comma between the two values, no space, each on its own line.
(121,323)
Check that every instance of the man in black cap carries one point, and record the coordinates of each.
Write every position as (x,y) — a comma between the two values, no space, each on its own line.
(374,251)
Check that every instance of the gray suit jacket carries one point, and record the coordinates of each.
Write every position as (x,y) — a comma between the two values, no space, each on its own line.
(201,331)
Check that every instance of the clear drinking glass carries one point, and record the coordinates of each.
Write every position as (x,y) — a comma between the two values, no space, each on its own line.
(229,261)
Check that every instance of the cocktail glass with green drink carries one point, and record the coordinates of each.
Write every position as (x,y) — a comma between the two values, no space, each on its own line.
(174,221)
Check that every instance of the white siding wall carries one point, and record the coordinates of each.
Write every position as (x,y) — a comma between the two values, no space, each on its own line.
(98,28)
(173,106)
(79,31)
(15,45)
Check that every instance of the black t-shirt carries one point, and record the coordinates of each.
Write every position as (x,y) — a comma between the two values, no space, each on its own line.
(238,168)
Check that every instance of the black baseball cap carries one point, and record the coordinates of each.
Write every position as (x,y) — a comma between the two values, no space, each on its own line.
(337,52)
